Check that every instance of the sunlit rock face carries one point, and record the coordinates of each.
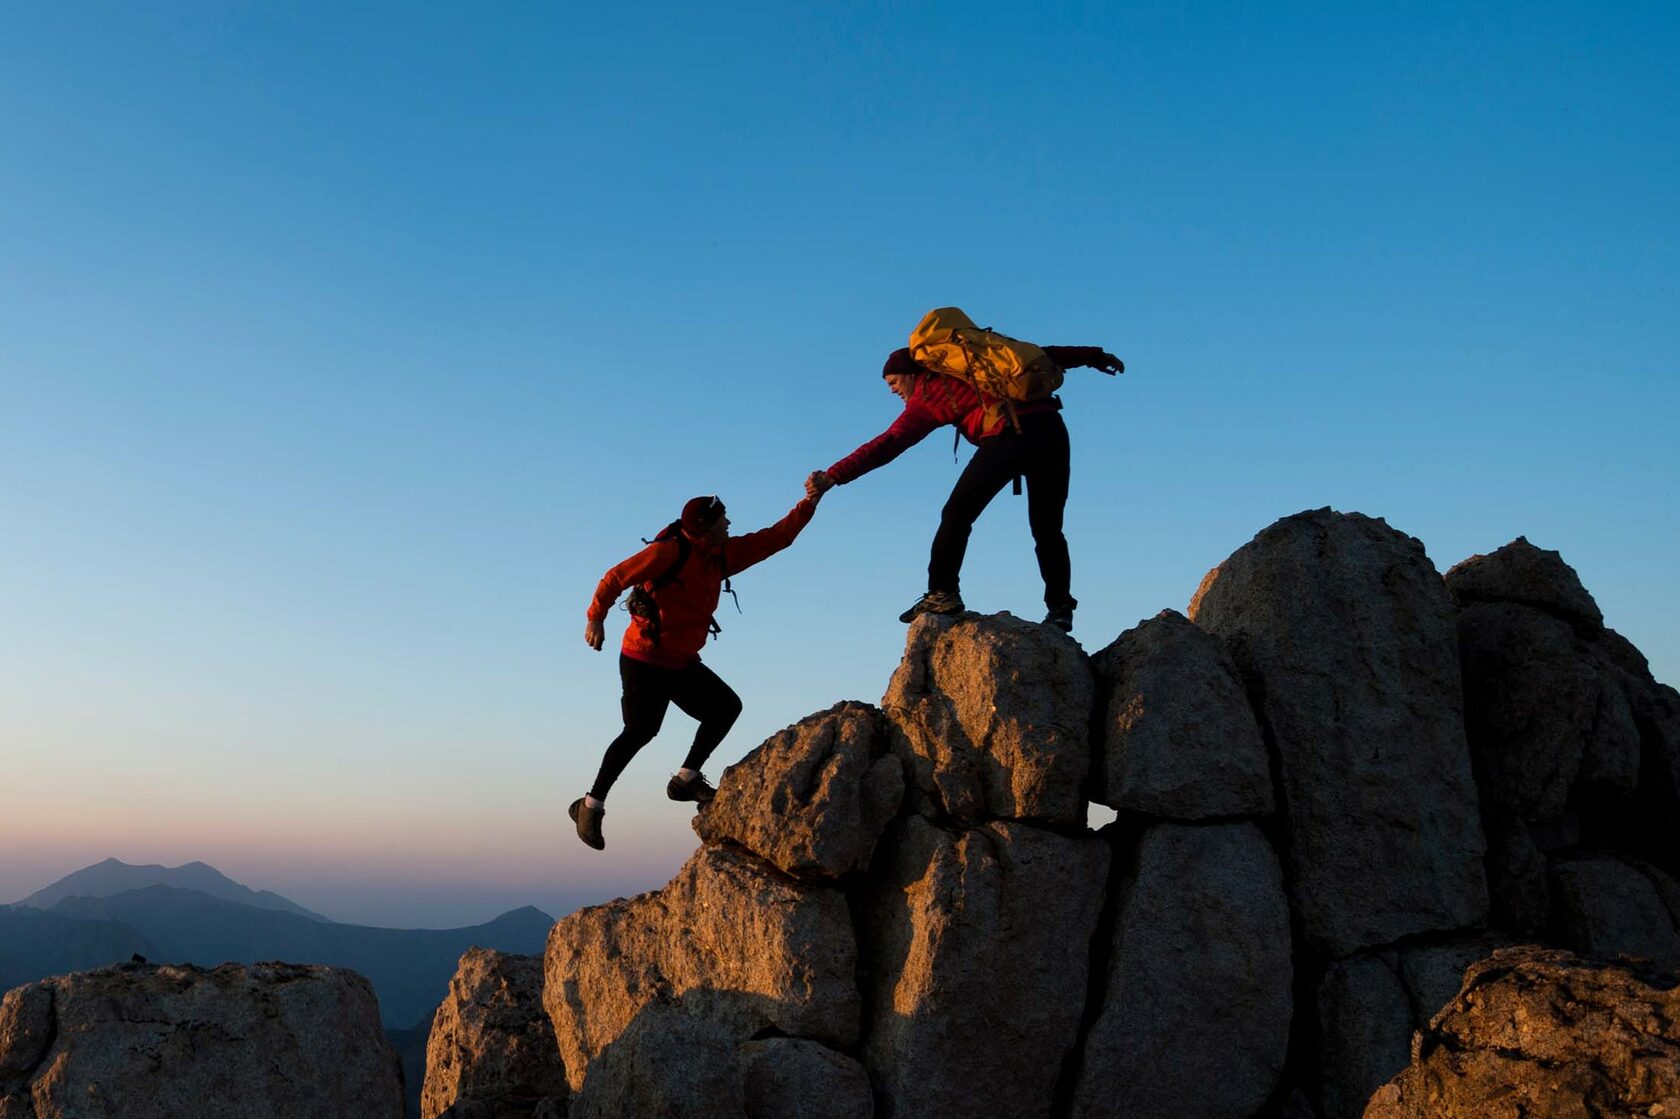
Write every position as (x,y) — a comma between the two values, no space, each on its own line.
(1346,639)
(491,1043)
(993,719)
(812,800)
(977,943)
(1544,1034)
(729,939)
(269,1041)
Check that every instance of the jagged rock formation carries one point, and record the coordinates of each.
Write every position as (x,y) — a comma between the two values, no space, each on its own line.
(1542,1034)
(1316,791)
(1342,781)
(269,1041)
(491,1049)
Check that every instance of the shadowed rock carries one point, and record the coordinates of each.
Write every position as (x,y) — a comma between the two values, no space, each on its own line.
(268,1041)
(1519,883)
(994,719)
(978,945)
(1365,1031)
(1180,739)
(1521,573)
(1531,698)
(813,798)
(1196,1007)
(728,939)
(1608,908)
(1541,1034)
(665,1065)
(785,1078)
(1433,973)
(491,1042)
(1346,638)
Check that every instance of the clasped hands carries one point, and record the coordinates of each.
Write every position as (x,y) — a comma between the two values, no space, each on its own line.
(818,483)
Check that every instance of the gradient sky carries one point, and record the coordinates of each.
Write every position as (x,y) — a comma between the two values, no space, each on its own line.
(342,347)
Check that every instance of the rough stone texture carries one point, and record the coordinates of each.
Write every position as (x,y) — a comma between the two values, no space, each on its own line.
(26,1029)
(1539,1034)
(1519,572)
(728,938)
(1180,738)
(491,1040)
(785,1078)
(1519,879)
(1607,908)
(1196,1008)
(1531,702)
(267,1041)
(1346,638)
(1365,1032)
(814,797)
(993,714)
(1434,972)
(667,1064)
(978,947)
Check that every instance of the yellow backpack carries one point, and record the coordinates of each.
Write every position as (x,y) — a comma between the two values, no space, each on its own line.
(1005,369)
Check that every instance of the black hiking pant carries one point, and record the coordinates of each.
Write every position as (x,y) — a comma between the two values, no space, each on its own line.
(648,691)
(1038,453)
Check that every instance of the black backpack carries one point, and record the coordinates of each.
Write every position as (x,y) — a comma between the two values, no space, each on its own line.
(644,603)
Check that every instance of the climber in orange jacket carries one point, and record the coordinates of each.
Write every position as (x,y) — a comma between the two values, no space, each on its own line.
(677,580)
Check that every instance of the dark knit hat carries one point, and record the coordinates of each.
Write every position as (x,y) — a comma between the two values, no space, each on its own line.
(700,512)
(901,363)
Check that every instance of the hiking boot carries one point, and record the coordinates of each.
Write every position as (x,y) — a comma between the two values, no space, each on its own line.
(588,821)
(934,602)
(699,789)
(1061,617)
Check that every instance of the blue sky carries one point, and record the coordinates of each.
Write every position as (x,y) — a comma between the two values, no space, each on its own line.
(342,347)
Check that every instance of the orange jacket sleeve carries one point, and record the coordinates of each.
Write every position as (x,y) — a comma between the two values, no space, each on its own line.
(646,564)
(743,551)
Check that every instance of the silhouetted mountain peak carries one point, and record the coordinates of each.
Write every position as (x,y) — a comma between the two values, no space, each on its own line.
(113,876)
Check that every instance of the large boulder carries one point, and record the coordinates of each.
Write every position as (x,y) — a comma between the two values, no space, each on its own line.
(727,939)
(1531,698)
(977,943)
(1346,638)
(788,1078)
(491,1040)
(993,715)
(1180,740)
(666,1064)
(1196,1005)
(1519,572)
(266,1041)
(1365,1031)
(1541,1034)
(1607,908)
(813,798)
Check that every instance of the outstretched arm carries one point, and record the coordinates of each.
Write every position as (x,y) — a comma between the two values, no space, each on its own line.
(741,552)
(911,427)
(1096,357)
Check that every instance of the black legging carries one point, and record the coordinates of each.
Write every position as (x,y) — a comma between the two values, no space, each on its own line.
(1038,453)
(648,691)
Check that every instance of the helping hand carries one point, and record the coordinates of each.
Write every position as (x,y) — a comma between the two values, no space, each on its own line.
(595,635)
(817,483)
(1108,363)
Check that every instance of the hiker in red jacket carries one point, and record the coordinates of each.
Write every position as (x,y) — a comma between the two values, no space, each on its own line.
(678,579)
(1037,452)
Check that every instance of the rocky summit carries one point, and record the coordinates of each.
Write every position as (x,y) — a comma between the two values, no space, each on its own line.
(1387,842)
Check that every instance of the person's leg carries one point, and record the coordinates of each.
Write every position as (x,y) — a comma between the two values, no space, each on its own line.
(995,462)
(699,693)
(1045,464)
(647,693)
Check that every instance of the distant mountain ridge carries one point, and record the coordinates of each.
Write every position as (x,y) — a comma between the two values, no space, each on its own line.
(113,876)
(409,968)
(36,943)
